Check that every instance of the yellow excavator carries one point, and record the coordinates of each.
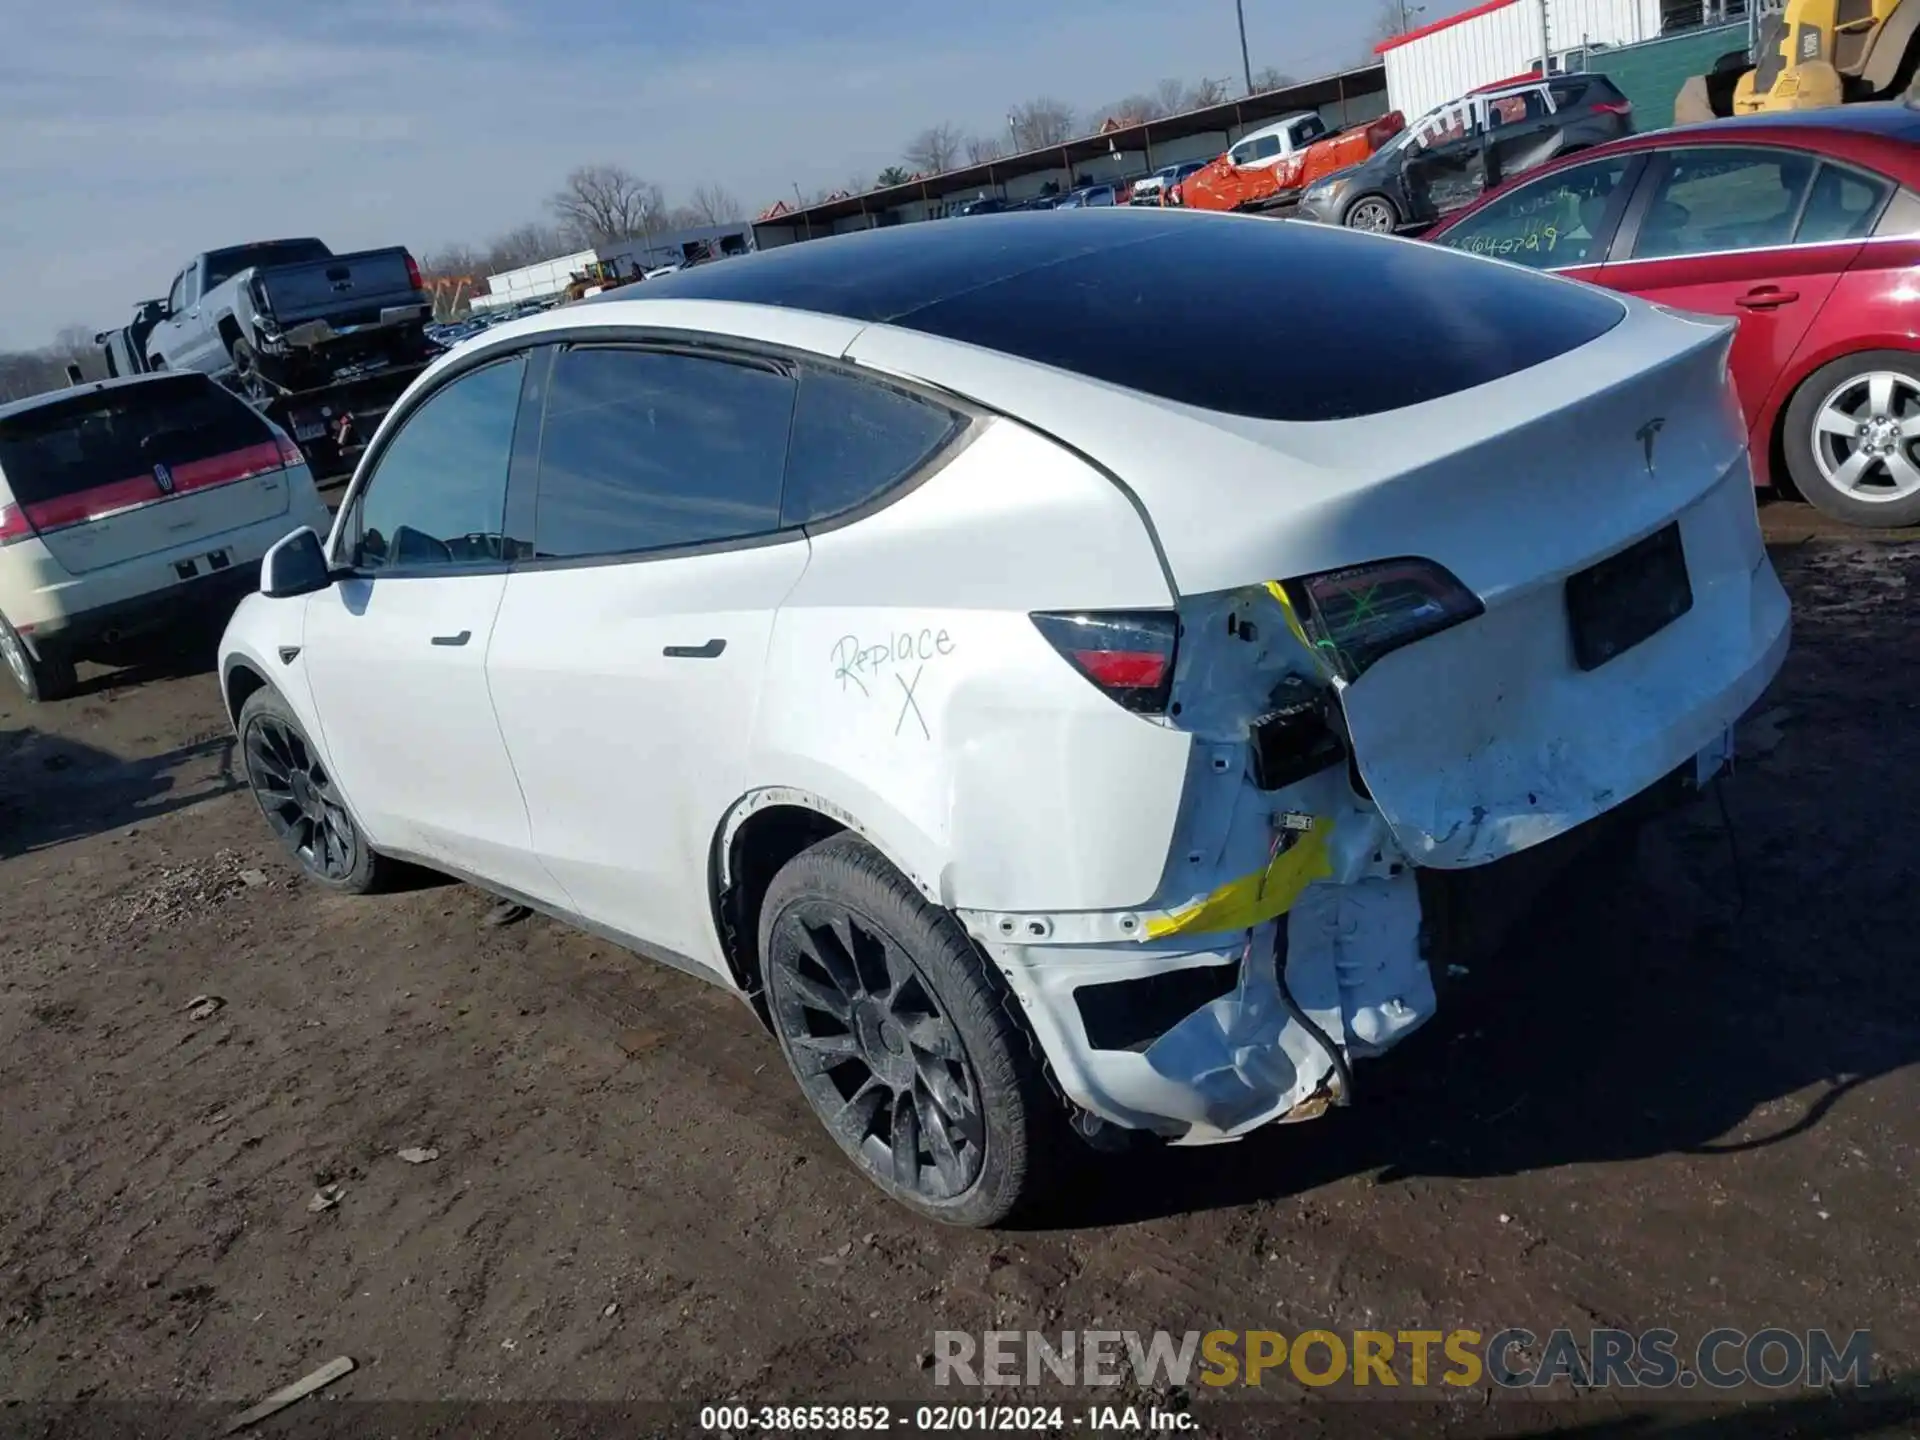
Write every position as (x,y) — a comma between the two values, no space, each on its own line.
(1808,54)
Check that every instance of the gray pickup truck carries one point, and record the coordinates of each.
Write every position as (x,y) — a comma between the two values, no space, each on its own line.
(280,316)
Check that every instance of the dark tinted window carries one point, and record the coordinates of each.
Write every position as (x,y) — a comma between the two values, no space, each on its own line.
(851,441)
(1716,198)
(644,450)
(1174,304)
(100,436)
(1841,206)
(1355,313)
(438,493)
(223,265)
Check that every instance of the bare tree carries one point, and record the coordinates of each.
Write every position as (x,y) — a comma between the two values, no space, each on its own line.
(1133,110)
(1205,92)
(524,246)
(682,217)
(604,203)
(716,205)
(454,260)
(1172,95)
(982,148)
(32,372)
(1391,20)
(1041,122)
(1272,78)
(934,149)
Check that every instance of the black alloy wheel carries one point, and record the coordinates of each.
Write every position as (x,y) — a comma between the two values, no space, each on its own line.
(299,799)
(875,1052)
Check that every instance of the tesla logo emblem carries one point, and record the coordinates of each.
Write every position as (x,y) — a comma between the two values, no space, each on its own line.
(1647,434)
(163,477)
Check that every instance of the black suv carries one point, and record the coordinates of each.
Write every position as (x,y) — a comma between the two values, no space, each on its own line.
(1444,160)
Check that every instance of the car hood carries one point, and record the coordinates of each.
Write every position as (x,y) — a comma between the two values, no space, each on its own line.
(1336,177)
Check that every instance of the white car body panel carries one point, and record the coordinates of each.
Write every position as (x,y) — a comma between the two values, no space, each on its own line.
(905,691)
(602,722)
(907,686)
(410,724)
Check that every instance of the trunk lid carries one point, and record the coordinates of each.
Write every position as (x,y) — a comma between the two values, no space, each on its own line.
(1569,507)
(1557,435)
(116,472)
(343,290)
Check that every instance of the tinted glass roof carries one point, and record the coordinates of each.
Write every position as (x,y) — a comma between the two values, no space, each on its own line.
(1280,320)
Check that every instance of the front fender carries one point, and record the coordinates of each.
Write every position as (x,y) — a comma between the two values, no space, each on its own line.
(261,632)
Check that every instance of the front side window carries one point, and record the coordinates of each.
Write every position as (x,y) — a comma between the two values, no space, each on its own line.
(177,296)
(1551,223)
(852,441)
(1719,198)
(654,449)
(437,496)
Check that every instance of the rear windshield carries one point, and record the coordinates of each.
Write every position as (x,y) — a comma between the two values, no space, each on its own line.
(100,436)
(1279,319)
(223,265)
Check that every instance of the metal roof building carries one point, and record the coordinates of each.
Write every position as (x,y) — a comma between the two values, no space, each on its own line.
(1351,97)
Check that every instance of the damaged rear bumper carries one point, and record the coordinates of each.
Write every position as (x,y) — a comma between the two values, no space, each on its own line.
(1201,1039)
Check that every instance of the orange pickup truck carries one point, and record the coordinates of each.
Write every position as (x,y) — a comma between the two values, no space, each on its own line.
(1274,165)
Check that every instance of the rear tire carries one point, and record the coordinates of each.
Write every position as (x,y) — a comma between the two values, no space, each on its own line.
(1851,435)
(49,676)
(901,1038)
(1374,213)
(302,805)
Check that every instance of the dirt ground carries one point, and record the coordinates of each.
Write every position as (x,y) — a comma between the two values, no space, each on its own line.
(1688,1101)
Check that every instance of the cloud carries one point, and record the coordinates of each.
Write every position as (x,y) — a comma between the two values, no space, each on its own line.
(134,134)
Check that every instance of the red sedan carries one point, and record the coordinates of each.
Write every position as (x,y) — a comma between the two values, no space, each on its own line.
(1805,227)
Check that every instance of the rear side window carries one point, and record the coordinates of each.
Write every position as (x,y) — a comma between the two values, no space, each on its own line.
(854,440)
(101,436)
(1841,206)
(651,450)
(1719,198)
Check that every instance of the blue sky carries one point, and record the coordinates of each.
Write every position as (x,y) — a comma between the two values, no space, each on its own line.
(134,133)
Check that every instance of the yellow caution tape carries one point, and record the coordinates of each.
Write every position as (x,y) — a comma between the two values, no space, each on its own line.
(1254,899)
(1279,592)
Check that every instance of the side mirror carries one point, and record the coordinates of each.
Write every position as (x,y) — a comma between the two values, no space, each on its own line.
(295,566)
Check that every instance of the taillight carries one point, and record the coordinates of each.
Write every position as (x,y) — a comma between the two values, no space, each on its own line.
(1355,616)
(1614,107)
(290,453)
(413,272)
(1127,653)
(14,524)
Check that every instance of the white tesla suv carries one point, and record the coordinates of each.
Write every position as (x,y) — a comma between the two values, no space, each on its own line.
(1035,678)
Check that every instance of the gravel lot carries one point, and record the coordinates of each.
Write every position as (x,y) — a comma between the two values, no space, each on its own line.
(1687,1101)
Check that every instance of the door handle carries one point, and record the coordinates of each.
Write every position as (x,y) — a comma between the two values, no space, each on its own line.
(460,639)
(1767,297)
(708,651)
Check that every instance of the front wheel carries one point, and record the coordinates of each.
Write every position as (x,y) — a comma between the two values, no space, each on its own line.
(1372,212)
(303,807)
(1852,439)
(900,1036)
